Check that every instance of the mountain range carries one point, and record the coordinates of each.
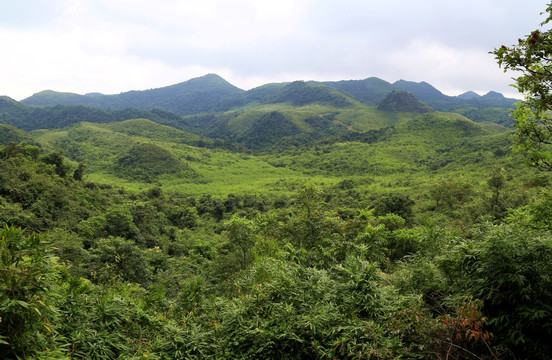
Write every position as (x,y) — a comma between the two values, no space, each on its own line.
(272,116)
(211,93)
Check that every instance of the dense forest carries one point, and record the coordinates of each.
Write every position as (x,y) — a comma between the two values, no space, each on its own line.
(343,220)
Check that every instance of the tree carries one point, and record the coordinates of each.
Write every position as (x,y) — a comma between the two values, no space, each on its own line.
(497,182)
(397,204)
(27,275)
(79,171)
(56,159)
(532,56)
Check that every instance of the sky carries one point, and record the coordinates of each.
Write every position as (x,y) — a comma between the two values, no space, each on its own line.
(112,46)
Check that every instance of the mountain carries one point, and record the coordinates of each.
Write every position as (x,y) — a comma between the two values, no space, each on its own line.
(204,94)
(400,100)
(422,90)
(300,93)
(468,95)
(368,91)
(372,90)
(211,93)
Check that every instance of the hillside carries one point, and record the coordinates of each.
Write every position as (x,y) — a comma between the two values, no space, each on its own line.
(299,124)
(419,144)
(11,134)
(136,153)
(28,117)
(433,142)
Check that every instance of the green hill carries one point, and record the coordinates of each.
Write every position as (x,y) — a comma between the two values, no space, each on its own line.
(267,130)
(154,131)
(298,143)
(11,134)
(402,101)
(147,161)
(430,142)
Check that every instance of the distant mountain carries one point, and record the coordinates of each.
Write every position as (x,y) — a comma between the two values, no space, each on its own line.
(422,90)
(204,94)
(403,101)
(211,94)
(370,91)
(468,95)
(300,93)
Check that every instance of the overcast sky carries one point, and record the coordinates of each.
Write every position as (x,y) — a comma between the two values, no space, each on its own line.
(111,46)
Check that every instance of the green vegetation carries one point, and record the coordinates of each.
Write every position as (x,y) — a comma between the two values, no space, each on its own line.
(290,221)
(317,272)
(531,57)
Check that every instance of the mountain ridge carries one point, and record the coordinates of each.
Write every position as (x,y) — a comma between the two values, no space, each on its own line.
(211,93)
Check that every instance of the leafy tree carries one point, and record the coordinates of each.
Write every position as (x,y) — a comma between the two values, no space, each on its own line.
(447,193)
(124,257)
(496,182)
(397,204)
(79,171)
(119,222)
(56,159)
(27,274)
(532,57)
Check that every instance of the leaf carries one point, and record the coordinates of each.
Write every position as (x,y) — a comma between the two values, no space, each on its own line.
(22,303)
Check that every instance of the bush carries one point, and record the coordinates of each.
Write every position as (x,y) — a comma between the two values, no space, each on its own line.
(27,274)
(510,268)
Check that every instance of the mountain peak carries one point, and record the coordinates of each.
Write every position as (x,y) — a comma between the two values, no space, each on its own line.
(493,95)
(469,95)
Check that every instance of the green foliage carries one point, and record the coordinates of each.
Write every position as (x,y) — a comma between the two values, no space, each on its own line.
(508,268)
(27,273)
(11,134)
(284,310)
(397,204)
(449,192)
(56,159)
(79,172)
(531,57)
(116,256)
